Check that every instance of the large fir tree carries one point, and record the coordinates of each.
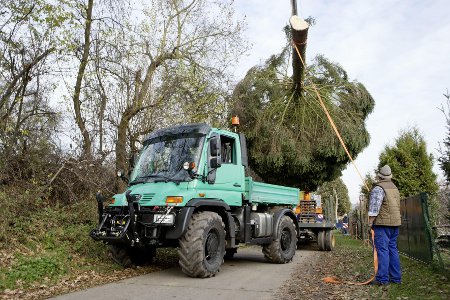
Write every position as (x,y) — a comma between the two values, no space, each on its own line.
(411,165)
(289,138)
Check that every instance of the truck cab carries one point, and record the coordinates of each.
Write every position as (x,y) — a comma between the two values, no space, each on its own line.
(188,189)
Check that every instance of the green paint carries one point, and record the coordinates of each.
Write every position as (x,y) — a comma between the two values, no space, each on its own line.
(230,184)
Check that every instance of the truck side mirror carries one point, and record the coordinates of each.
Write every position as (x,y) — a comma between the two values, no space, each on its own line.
(214,162)
(214,147)
(214,159)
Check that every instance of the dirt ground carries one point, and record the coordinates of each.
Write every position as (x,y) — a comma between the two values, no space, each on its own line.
(351,261)
(306,282)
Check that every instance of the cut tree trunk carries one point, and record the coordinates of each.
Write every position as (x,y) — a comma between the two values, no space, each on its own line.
(299,30)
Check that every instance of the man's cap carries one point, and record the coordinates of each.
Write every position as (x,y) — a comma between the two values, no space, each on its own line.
(385,172)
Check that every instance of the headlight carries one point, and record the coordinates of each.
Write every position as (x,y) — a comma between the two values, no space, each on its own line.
(174,199)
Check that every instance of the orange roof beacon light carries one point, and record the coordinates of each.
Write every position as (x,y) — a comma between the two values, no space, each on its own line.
(235,122)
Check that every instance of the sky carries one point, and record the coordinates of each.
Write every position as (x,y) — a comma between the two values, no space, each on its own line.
(400,51)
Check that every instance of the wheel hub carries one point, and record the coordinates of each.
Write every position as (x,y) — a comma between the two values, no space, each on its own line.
(285,239)
(211,246)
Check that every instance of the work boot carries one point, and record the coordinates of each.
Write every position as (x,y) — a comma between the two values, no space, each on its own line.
(376,282)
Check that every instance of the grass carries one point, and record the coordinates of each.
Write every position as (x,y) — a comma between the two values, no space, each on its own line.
(352,261)
(47,245)
(27,270)
(419,280)
(46,250)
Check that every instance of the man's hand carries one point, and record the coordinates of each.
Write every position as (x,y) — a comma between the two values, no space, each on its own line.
(369,231)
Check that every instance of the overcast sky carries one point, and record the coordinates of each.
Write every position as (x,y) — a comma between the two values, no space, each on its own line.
(400,50)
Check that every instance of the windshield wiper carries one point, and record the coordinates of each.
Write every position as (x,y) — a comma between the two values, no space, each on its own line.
(141,179)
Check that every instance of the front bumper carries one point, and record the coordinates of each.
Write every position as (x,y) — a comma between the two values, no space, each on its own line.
(145,225)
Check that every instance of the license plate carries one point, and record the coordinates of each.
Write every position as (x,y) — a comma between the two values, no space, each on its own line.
(163,219)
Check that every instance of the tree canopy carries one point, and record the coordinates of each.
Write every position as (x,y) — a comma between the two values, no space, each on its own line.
(289,138)
(411,165)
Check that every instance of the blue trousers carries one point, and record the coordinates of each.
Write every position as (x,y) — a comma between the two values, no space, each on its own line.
(385,241)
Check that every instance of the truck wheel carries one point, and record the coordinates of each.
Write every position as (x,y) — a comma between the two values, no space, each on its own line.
(129,257)
(202,247)
(282,249)
(321,240)
(329,240)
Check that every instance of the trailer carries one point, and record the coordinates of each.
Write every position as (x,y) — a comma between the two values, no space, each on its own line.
(313,227)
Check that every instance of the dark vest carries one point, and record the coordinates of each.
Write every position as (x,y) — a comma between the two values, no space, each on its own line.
(389,214)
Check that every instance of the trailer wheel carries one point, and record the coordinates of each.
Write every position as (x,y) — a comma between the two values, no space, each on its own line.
(321,240)
(129,257)
(329,240)
(282,249)
(202,247)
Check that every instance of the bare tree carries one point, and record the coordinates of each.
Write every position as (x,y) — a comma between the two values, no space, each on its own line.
(168,63)
(29,34)
(87,144)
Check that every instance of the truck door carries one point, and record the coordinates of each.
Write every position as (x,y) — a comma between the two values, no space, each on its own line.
(229,177)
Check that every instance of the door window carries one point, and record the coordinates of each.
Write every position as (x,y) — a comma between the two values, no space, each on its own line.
(228,150)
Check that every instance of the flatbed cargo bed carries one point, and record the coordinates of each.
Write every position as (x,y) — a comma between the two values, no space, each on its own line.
(264,193)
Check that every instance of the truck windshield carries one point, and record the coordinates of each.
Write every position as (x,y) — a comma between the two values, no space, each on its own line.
(162,159)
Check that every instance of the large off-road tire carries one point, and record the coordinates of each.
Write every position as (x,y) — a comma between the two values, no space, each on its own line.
(129,257)
(282,249)
(321,240)
(329,240)
(202,247)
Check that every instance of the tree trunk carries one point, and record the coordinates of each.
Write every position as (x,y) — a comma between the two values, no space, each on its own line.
(336,206)
(121,150)
(87,145)
(299,30)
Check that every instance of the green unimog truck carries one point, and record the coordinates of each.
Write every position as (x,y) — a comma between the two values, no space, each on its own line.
(188,189)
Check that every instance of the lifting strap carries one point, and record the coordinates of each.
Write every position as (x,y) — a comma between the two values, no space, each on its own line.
(336,131)
(334,279)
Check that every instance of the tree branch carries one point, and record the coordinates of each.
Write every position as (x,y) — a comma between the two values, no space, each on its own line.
(24,70)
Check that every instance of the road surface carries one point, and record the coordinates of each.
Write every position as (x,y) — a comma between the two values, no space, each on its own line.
(246,276)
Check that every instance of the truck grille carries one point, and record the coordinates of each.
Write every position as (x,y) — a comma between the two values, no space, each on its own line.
(147,197)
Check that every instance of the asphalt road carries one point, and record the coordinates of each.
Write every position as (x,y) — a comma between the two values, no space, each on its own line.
(246,276)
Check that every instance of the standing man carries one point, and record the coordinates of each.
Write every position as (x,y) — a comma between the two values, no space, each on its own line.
(345,224)
(384,218)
